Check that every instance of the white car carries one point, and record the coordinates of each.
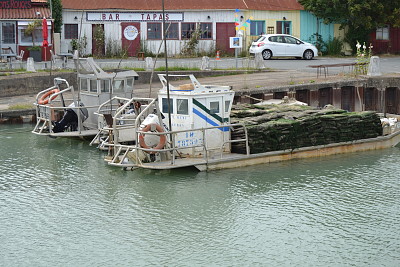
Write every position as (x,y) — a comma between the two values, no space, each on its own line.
(282,45)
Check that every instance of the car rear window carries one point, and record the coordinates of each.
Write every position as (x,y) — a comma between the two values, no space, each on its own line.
(260,39)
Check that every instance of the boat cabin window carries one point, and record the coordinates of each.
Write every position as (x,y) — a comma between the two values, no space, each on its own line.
(182,106)
(227,103)
(129,83)
(105,86)
(214,107)
(84,86)
(165,105)
(93,86)
(118,86)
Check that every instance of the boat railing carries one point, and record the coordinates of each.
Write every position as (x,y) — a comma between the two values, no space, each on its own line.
(120,121)
(173,150)
(46,113)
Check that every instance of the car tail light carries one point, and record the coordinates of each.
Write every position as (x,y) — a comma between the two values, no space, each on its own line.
(260,44)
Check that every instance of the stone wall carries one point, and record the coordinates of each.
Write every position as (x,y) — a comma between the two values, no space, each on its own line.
(31,83)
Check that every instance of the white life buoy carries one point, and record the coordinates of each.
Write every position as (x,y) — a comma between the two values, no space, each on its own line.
(161,143)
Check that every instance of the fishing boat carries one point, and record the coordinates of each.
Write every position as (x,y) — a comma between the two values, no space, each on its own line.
(189,125)
(63,111)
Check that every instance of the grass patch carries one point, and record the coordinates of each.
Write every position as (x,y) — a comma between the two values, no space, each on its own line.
(20,106)
(175,68)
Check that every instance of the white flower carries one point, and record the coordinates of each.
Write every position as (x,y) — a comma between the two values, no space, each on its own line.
(364,47)
(358,45)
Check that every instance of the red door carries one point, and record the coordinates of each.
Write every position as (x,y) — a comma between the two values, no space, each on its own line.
(224,31)
(131,37)
(98,40)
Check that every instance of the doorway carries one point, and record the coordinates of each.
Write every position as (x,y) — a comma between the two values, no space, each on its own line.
(8,35)
(224,31)
(98,40)
(131,37)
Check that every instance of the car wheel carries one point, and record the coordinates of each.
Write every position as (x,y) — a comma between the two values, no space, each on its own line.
(308,54)
(266,54)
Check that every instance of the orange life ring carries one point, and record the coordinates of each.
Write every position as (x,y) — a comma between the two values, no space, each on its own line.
(163,138)
(44,99)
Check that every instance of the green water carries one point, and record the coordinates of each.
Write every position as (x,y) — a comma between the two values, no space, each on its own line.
(61,205)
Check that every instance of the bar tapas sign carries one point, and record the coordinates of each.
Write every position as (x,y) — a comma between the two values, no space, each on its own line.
(15,4)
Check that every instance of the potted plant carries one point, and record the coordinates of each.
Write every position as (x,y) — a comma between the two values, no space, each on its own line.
(35,51)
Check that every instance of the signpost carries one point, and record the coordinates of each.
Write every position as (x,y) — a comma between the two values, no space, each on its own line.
(237,43)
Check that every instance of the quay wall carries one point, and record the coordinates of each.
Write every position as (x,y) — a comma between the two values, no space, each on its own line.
(32,83)
(381,94)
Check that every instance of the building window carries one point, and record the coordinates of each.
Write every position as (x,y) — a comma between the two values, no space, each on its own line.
(172,30)
(27,38)
(284,27)
(71,31)
(270,30)
(205,30)
(8,30)
(154,31)
(257,27)
(187,30)
(382,33)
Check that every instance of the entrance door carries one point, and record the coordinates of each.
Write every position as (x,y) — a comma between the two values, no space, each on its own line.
(224,31)
(131,37)
(348,98)
(98,40)
(8,36)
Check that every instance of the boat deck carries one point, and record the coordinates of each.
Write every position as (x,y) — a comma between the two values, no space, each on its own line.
(81,134)
(199,163)
(231,160)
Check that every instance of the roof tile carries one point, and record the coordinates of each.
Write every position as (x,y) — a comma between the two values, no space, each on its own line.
(183,4)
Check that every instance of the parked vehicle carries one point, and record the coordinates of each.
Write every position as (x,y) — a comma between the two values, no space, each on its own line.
(283,45)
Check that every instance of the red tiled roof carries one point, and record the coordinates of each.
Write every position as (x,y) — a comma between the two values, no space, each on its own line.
(29,13)
(275,5)
(183,4)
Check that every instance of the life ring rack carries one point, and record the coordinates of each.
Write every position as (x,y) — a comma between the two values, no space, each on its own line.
(163,138)
(45,98)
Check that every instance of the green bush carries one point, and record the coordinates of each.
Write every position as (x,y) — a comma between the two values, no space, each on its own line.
(334,46)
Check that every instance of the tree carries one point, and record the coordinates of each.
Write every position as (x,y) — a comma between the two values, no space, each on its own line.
(360,16)
(31,28)
(56,7)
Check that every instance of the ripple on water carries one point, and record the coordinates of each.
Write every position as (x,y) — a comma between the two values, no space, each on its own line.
(62,205)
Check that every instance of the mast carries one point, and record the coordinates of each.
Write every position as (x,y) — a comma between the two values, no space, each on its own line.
(166,68)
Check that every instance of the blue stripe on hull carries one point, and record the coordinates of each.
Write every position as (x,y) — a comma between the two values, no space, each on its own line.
(201,115)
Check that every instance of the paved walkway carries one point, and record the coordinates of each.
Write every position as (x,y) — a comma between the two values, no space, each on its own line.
(238,82)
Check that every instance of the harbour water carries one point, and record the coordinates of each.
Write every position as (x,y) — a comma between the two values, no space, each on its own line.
(61,205)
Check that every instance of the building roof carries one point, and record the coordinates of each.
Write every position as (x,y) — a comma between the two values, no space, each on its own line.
(38,10)
(30,13)
(275,5)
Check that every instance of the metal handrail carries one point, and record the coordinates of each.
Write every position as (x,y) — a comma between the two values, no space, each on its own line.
(126,148)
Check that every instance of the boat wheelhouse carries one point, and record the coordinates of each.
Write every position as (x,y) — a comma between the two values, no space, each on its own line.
(63,111)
